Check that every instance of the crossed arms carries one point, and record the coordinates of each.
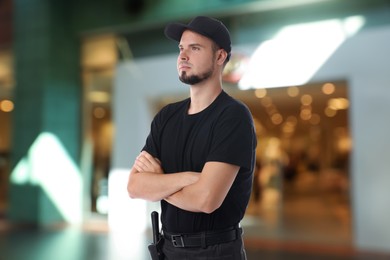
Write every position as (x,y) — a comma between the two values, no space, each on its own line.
(191,191)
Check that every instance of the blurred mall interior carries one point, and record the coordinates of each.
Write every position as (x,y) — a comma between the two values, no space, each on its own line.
(80,82)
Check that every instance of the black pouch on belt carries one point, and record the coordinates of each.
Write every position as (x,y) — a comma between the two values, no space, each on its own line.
(155,248)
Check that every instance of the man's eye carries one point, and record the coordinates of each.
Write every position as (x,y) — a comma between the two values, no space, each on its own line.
(195,48)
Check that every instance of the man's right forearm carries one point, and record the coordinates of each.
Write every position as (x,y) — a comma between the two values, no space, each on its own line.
(156,186)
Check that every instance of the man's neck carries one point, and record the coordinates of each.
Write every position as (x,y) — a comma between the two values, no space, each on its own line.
(202,95)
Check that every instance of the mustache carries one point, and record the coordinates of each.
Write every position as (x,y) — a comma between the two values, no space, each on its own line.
(185,63)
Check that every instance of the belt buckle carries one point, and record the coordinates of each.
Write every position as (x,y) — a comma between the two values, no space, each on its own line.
(177,240)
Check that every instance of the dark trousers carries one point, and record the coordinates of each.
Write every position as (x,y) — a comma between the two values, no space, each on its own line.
(233,250)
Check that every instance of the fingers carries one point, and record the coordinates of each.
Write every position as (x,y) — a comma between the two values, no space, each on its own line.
(137,166)
(147,163)
(142,164)
(150,158)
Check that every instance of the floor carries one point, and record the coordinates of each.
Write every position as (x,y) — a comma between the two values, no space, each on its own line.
(94,242)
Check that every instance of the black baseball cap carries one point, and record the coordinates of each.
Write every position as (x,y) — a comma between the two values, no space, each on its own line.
(206,26)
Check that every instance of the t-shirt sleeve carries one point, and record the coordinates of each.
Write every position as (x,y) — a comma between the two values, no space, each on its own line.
(152,141)
(234,140)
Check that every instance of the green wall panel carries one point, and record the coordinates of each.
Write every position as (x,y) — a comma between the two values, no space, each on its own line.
(47,99)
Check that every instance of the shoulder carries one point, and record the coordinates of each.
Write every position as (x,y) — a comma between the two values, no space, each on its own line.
(172,108)
(233,107)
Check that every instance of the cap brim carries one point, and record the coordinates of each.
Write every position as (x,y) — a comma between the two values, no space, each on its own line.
(174,31)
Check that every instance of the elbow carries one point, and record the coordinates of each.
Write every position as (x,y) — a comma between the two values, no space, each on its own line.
(209,205)
(131,186)
(131,195)
(135,193)
(131,192)
(208,209)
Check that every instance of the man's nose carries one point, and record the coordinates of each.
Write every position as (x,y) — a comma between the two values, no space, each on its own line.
(183,56)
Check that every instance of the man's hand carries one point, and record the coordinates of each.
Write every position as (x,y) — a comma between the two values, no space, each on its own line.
(147,163)
(148,181)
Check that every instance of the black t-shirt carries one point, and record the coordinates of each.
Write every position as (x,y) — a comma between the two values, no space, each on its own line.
(222,132)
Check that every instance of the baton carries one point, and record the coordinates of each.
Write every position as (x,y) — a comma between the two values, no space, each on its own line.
(155,228)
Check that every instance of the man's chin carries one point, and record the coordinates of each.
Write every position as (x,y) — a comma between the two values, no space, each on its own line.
(193,80)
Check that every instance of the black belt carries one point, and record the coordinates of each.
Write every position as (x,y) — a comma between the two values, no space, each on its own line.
(204,239)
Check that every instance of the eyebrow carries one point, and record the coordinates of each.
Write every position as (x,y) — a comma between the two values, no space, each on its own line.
(192,45)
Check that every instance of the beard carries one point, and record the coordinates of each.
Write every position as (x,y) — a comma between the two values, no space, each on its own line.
(194,79)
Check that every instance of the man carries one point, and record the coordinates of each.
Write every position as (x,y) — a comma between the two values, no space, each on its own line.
(198,158)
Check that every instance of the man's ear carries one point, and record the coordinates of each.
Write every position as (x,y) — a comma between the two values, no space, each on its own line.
(222,56)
